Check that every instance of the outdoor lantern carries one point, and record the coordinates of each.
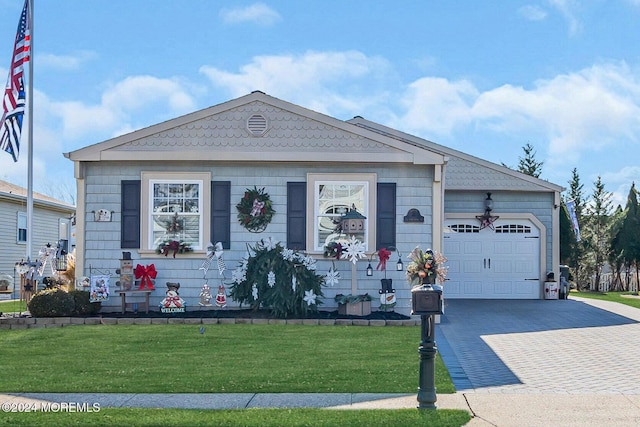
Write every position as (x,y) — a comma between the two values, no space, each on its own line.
(61,257)
(352,222)
(488,203)
(399,265)
(369,270)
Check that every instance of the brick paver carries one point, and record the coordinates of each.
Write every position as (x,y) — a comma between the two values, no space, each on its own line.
(575,346)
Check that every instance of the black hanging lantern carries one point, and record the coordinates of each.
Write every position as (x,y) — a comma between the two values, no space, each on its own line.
(61,257)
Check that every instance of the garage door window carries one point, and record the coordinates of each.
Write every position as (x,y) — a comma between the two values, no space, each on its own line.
(464,228)
(513,229)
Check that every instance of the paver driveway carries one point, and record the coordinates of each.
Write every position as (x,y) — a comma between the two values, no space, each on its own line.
(574,346)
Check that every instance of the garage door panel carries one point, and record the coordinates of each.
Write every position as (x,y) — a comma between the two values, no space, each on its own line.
(502,247)
(501,267)
(472,266)
(502,288)
(493,263)
(473,248)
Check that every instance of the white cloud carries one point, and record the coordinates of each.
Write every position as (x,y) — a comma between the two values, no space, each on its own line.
(569,10)
(258,13)
(317,80)
(532,12)
(63,62)
(586,110)
(120,106)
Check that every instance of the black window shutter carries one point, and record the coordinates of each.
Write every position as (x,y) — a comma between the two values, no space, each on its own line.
(130,227)
(297,215)
(386,211)
(221,213)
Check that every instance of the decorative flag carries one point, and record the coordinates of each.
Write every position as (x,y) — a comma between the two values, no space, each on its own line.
(571,207)
(13,101)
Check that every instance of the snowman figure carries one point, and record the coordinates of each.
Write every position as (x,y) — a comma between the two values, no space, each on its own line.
(221,297)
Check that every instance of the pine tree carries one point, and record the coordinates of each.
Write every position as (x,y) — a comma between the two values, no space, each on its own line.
(597,233)
(577,261)
(528,164)
(626,239)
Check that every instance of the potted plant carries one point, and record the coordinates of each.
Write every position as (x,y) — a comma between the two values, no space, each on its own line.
(354,305)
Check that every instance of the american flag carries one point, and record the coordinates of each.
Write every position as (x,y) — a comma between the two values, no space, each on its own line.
(13,101)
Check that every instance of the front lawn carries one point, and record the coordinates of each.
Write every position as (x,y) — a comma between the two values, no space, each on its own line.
(216,359)
(632,299)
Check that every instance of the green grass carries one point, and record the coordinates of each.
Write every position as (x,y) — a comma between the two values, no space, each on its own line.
(224,359)
(12,306)
(610,296)
(248,418)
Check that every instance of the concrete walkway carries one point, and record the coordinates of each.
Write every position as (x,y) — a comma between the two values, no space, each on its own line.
(515,363)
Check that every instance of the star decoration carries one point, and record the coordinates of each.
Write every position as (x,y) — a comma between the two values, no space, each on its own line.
(332,278)
(487,220)
(310,297)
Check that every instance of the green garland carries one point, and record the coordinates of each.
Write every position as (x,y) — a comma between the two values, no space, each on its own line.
(255,210)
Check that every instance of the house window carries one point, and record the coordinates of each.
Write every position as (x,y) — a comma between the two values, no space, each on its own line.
(331,196)
(175,209)
(22,228)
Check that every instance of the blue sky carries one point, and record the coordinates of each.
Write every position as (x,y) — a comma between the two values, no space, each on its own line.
(484,78)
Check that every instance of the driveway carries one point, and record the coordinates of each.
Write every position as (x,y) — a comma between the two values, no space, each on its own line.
(574,346)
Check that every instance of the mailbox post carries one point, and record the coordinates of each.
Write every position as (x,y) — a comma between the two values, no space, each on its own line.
(426,301)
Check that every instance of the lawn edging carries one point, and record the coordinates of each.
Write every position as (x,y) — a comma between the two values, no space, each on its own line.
(57,322)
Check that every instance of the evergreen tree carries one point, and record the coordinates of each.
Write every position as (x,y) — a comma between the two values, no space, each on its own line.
(577,261)
(528,164)
(626,239)
(597,232)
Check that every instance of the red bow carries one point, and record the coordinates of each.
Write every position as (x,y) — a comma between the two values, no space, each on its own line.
(384,255)
(145,274)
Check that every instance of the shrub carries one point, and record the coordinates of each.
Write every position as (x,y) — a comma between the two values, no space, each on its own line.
(53,302)
(82,304)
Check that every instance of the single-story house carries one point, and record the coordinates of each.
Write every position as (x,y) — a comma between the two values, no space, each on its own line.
(497,227)
(52,221)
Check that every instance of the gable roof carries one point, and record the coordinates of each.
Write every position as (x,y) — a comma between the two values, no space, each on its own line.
(257,127)
(9,191)
(464,171)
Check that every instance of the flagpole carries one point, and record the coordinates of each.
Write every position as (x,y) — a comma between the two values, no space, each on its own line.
(30,140)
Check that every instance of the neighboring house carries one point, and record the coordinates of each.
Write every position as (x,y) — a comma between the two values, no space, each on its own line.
(412,192)
(51,222)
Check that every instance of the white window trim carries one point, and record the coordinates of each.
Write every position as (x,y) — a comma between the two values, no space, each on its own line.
(18,216)
(147,179)
(370,223)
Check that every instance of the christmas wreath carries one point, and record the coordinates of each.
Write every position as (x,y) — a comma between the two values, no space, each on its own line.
(255,210)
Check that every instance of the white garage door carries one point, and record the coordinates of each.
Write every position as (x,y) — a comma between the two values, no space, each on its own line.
(502,262)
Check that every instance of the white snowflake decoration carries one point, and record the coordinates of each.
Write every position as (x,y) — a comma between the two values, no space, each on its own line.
(270,243)
(254,291)
(294,282)
(271,279)
(287,254)
(310,297)
(332,278)
(354,249)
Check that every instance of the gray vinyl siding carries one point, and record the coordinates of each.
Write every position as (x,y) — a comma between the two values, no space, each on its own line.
(45,230)
(102,251)
(538,204)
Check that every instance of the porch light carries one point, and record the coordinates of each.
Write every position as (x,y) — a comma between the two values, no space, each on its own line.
(486,219)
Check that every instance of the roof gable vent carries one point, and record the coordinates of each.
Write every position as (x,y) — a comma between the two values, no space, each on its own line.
(257,125)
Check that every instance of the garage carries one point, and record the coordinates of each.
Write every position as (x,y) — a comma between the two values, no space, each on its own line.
(500,261)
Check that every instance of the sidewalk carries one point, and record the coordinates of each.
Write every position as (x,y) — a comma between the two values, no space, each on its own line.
(488,409)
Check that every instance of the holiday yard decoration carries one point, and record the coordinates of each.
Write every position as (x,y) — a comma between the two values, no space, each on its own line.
(146,275)
(173,246)
(172,303)
(255,210)
(279,279)
(426,267)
